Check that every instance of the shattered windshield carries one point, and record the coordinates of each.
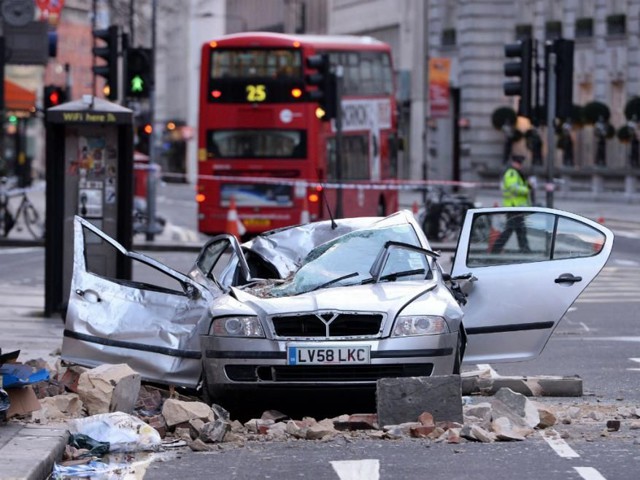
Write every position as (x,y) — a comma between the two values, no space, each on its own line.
(346,260)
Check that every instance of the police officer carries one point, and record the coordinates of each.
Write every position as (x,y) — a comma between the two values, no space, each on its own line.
(516,192)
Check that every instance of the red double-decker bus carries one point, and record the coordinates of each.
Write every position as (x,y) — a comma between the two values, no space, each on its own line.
(261,141)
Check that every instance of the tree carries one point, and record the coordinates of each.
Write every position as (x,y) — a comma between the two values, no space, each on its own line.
(629,132)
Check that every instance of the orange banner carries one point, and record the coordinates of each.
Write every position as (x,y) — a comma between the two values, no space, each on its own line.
(439,99)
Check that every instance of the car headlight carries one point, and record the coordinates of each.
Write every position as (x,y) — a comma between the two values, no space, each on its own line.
(238,327)
(411,325)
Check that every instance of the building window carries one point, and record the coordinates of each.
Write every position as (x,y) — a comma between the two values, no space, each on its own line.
(617,24)
(524,32)
(584,28)
(553,30)
(448,37)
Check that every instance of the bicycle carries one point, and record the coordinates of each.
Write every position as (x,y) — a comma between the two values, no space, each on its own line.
(442,216)
(26,212)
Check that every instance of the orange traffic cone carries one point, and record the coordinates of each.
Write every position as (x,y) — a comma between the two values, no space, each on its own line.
(494,234)
(304,214)
(234,224)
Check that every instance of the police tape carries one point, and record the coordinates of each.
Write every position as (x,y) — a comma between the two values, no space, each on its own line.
(369,185)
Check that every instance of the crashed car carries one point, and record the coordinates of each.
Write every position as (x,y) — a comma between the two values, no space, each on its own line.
(334,303)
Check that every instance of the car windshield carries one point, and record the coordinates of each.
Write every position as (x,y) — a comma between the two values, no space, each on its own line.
(347,260)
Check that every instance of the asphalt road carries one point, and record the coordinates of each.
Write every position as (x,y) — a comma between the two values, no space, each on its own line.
(597,340)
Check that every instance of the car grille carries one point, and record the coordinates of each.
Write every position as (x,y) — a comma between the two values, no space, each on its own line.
(328,324)
(325,373)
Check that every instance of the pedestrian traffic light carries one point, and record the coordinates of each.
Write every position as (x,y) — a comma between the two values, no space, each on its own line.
(109,53)
(325,82)
(138,72)
(54,96)
(522,68)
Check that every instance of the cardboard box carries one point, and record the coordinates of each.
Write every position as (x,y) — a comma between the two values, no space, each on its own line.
(23,401)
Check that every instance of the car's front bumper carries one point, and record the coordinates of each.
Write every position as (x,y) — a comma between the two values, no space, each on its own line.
(239,363)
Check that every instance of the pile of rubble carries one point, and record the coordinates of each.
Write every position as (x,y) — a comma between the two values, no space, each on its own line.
(75,392)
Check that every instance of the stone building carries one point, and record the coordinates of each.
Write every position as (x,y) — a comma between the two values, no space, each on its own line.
(470,35)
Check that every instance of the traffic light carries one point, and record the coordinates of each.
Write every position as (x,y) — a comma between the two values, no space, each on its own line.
(522,69)
(54,96)
(143,132)
(108,52)
(564,77)
(139,73)
(325,80)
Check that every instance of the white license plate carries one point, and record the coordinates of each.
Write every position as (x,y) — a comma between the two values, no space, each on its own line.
(299,355)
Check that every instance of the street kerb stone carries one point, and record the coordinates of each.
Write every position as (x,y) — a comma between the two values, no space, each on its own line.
(402,400)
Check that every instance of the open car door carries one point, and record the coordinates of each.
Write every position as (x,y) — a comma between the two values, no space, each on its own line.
(152,323)
(529,265)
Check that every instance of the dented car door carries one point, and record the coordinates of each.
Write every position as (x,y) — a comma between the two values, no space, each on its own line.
(154,327)
(528,266)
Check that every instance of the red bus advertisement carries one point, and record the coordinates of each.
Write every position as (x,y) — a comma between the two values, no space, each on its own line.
(262,145)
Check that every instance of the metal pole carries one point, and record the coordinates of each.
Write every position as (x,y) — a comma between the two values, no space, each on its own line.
(152,228)
(551,114)
(4,168)
(338,123)
(68,80)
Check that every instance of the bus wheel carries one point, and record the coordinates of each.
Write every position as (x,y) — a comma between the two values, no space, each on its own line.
(382,209)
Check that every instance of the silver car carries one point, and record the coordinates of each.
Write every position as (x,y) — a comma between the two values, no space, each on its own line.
(335,303)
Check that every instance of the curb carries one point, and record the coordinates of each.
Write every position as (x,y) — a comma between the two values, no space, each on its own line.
(31,452)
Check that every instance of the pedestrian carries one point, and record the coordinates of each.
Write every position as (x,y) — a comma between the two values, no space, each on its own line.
(516,191)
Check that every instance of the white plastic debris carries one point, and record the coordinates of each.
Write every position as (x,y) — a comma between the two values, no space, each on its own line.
(124,432)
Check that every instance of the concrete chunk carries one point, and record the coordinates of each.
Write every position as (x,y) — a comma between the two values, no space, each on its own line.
(540,386)
(109,388)
(176,412)
(402,400)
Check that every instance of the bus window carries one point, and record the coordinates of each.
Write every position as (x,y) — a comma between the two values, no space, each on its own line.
(256,144)
(355,158)
(252,63)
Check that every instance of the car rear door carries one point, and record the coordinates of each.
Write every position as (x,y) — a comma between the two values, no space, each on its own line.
(153,323)
(523,286)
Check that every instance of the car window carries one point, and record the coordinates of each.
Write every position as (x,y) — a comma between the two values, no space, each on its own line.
(210,255)
(350,256)
(575,239)
(144,276)
(520,237)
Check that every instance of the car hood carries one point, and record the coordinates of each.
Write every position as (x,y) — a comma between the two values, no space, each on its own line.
(381,297)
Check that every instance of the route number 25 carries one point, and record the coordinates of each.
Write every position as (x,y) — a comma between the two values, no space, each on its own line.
(256,93)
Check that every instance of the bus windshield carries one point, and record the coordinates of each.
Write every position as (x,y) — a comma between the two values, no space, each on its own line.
(256,63)
(256,143)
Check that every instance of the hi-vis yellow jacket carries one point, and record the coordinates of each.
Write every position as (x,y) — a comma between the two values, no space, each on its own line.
(515,189)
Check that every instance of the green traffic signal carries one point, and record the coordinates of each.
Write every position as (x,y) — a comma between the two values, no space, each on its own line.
(137,84)
(139,72)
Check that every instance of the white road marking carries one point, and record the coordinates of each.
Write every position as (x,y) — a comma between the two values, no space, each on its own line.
(614,339)
(589,473)
(11,251)
(637,360)
(357,469)
(627,263)
(558,444)
(585,327)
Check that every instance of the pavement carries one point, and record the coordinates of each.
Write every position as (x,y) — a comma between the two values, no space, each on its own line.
(29,451)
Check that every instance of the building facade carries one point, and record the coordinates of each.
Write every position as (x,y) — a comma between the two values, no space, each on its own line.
(460,144)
